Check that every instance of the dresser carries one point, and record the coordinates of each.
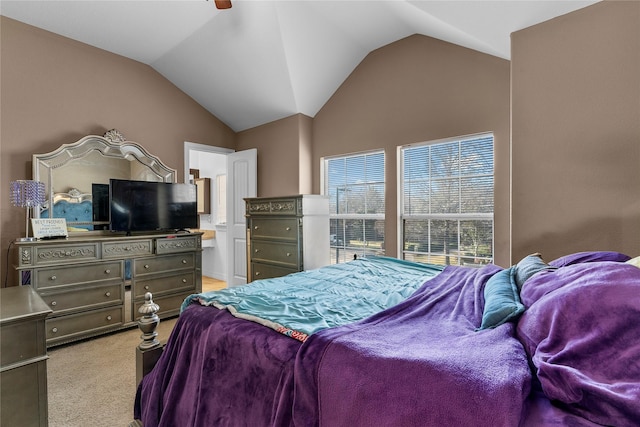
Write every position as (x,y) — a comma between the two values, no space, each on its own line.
(23,358)
(286,235)
(95,284)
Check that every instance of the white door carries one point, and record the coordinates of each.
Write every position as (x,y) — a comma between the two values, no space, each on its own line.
(241,182)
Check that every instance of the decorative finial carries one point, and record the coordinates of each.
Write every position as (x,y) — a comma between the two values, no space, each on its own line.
(148,323)
(114,135)
(149,307)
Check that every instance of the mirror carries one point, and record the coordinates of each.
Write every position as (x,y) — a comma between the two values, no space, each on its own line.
(76,177)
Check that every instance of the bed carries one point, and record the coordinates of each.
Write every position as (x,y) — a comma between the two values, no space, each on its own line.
(534,344)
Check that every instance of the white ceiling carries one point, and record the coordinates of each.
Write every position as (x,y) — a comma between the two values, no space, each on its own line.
(265,60)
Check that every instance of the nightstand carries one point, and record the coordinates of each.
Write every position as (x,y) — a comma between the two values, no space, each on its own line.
(23,357)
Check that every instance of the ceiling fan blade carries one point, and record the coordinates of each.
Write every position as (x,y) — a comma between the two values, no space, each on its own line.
(223,4)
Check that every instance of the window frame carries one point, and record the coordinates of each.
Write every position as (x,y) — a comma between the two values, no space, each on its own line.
(458,217)
(324,189)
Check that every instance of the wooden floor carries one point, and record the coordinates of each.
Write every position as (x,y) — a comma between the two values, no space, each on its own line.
(211,284)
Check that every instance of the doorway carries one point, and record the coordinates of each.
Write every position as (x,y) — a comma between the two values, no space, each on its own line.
(232,176)
(210,162)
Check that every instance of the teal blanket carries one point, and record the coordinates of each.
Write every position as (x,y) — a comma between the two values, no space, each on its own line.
(301,304)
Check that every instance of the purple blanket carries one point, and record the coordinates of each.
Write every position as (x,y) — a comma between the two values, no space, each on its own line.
(582,333)
(572,359)
(419,363)
(217,370)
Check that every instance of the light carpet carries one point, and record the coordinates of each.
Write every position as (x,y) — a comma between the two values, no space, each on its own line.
(93,382)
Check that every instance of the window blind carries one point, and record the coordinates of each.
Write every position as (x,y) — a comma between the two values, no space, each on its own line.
(447,201)
(355,186)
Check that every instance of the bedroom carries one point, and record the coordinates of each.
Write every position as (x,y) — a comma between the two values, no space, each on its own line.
(568,147)
(591,178)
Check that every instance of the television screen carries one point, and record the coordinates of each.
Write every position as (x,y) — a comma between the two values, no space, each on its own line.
(151,206)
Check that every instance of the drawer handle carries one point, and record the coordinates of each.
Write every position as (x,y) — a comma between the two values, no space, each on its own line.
(54,303)
(288,228)
(184,261)
(184,280)
(257,250)
(257,273)
(108,317)
(108,294)
(146,266)
(54,330)
(107,271)
(146,287)
(288,253)
(52,278)
(256,227)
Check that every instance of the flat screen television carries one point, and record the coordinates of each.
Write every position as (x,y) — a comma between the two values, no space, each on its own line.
(151,206)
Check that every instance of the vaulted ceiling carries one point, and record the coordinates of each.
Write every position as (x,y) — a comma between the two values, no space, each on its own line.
(264,60)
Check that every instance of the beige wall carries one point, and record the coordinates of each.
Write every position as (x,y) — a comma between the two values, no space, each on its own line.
(306,155)
(283,155)
(419,89)
(56,90)
(576,132)
(575,104)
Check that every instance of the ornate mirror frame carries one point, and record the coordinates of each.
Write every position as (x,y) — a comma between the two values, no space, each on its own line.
(70,171)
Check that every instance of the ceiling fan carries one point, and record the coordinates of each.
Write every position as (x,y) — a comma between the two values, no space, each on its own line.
(223,4)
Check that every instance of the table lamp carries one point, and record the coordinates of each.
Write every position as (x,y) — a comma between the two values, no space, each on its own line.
(27,194)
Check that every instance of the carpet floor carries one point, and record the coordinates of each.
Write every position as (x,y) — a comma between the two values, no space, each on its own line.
(93,382)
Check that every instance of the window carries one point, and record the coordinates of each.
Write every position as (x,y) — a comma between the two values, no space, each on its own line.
(355,186)
(447,201)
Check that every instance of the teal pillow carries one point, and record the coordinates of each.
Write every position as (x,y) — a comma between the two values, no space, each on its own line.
(527,267)
(501,300)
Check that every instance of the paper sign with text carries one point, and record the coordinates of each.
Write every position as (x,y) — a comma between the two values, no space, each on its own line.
(49,227)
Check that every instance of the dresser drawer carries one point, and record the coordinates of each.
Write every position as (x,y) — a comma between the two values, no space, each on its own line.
(164,263)
(181,281)
(59,254)
(83,297)
(169,304)
(286,206)
(274,228)
(75,274)
(266,271)
(129,248)
(24,395)
(168,245)
(281,253)
(21,341)
(87,323)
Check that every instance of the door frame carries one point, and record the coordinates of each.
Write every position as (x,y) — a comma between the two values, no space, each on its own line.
(194,146)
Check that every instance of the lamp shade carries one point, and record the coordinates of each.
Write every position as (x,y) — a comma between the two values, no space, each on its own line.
(27,194)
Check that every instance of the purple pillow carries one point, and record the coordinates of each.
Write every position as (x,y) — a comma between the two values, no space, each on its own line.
(593,256)
(581,334)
